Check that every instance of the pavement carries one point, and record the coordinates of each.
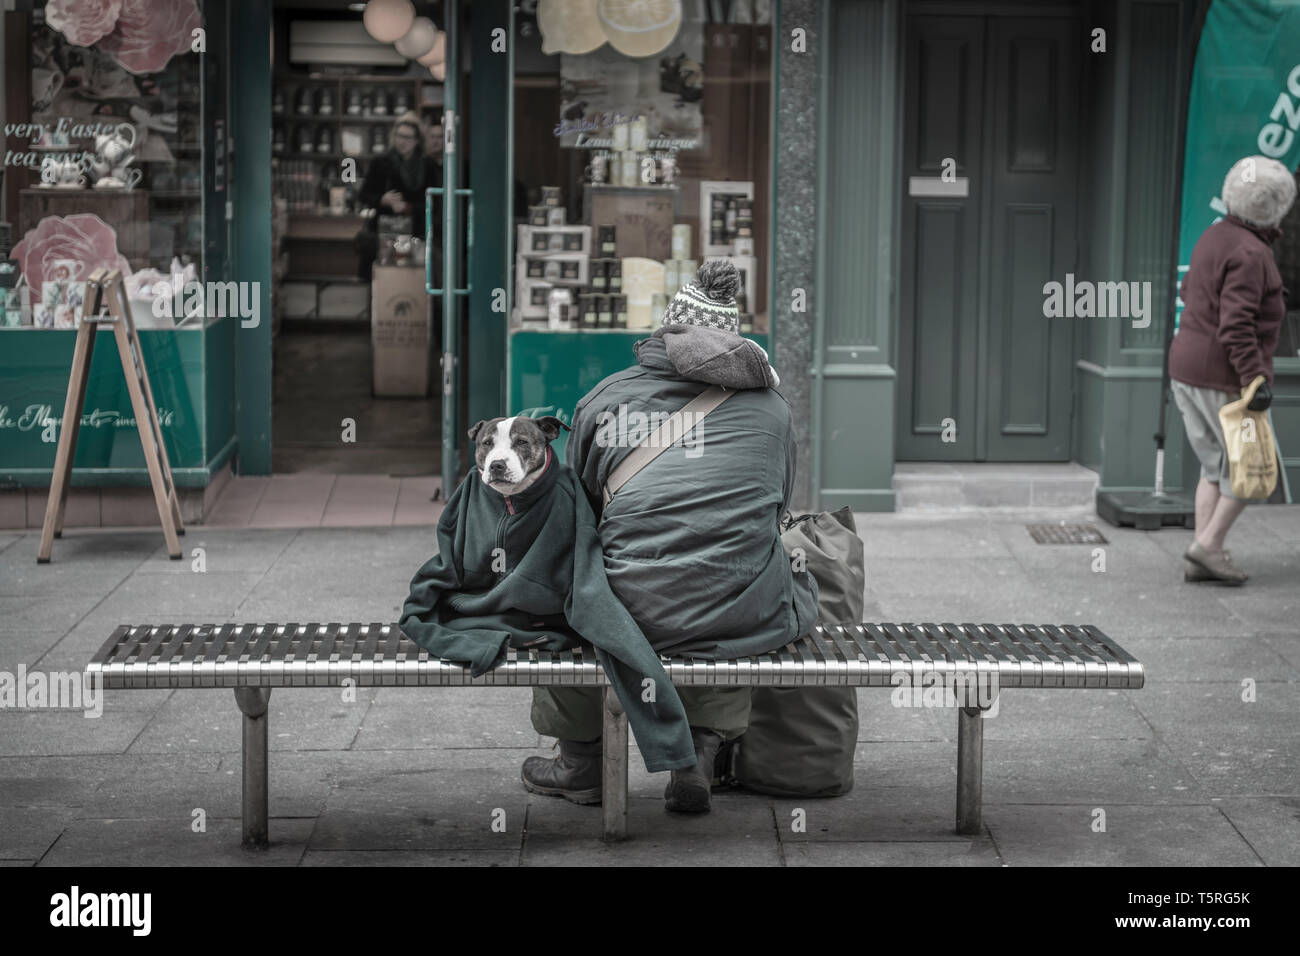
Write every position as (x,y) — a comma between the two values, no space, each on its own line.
(1200,767)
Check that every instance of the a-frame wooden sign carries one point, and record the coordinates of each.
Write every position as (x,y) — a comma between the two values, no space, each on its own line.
(106,303)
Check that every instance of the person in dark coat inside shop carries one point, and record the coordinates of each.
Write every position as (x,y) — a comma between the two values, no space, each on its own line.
(394,185)
(1232,314)
(692,542)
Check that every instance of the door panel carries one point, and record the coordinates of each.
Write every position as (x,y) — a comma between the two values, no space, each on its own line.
(939,299)
(998,96)
(1031,191)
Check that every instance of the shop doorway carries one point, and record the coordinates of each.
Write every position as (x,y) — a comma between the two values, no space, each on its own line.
(356,140)
(989,212)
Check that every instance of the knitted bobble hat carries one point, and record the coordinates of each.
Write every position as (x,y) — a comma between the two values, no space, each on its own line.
(710,300)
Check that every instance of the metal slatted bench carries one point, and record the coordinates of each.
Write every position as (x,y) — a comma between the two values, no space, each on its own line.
(977,660)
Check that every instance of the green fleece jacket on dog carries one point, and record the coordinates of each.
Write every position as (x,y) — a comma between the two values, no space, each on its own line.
(527,571)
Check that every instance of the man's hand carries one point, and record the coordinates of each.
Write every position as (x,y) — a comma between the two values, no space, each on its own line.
(394,201)
(1263,398)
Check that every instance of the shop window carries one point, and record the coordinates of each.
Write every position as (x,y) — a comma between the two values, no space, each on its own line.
(642,150)
(115,151)
(105,160)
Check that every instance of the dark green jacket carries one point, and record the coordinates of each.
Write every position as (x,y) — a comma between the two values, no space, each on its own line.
(692,543)
(550,591)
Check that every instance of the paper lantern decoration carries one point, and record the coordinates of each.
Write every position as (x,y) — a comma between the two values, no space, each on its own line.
(439,71)
(639,28)
(569,26)
(388,20)
(438,54)
(418,40)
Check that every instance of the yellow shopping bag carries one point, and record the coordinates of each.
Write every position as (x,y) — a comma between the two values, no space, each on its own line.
(1252,458)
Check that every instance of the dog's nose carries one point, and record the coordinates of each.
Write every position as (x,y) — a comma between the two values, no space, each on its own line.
(497,468)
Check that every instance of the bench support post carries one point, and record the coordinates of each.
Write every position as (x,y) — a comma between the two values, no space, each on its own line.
(613,768)
(252,703)
(970,771)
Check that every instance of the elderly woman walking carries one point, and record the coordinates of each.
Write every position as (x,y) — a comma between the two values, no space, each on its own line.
(1232,313)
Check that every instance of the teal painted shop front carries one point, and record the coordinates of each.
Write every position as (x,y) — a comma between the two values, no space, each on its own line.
(191,371)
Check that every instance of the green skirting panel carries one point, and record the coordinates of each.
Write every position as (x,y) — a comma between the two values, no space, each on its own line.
(551,371)
(857,446)
(190,371)
(1117,413)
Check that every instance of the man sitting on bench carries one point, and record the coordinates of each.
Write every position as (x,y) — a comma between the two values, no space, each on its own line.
(692,542)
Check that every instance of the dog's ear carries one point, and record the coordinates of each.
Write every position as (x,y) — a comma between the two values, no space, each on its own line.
(550,426)
(474,429)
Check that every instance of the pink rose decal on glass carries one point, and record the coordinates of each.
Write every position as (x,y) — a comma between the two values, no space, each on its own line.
(148,33)
(83,22)
(83,237)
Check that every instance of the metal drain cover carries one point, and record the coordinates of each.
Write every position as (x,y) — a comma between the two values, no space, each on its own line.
(1063,533)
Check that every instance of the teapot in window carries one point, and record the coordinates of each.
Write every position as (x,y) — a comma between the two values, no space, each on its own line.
(113,152)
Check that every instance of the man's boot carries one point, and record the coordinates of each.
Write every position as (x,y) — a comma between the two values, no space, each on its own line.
(688,790)
(574,774)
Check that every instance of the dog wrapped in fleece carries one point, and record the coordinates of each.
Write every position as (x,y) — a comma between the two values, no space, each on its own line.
(519,564)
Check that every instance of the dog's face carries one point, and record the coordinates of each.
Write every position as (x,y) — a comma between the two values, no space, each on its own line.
(511,452)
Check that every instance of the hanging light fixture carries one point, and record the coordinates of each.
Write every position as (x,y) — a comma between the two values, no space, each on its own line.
(438,54)
(388,20)
(418,40)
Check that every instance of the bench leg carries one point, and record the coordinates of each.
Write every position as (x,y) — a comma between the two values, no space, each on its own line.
(970,770)
(252,703)
(613,768)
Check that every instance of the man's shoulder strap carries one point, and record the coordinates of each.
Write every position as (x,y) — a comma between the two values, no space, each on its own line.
(658,441)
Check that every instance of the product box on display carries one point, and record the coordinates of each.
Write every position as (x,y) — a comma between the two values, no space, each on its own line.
(553,240)
(560,269)
(400,332)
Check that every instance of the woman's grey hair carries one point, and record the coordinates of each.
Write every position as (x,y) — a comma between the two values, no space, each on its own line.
(1259,190)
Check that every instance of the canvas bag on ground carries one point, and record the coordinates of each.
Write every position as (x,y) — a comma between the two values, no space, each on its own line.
(801,742)
(1252,458)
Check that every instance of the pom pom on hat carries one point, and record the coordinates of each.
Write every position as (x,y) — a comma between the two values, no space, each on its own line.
(719,280)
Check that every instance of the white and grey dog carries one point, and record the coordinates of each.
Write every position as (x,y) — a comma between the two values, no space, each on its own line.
(511,452)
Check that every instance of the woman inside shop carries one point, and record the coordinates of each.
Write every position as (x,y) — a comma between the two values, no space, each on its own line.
(1233,309)
(394,185)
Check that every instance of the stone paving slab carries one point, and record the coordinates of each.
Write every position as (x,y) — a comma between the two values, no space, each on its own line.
(251,551)
(42,732)
(974,853)
(1231,746)
(738,831)
(27,833)
(1199,660)
(1047,835)
(1092,773)
(150,841)
(208,720)
(870,813)
(145,787)
(1287,644)
(423,810)
(1270,824)
(439,717)
(439,858)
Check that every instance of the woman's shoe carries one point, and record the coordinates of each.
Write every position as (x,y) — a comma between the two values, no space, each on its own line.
(1217,567)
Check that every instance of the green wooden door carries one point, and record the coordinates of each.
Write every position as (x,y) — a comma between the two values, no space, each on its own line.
(988,216)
